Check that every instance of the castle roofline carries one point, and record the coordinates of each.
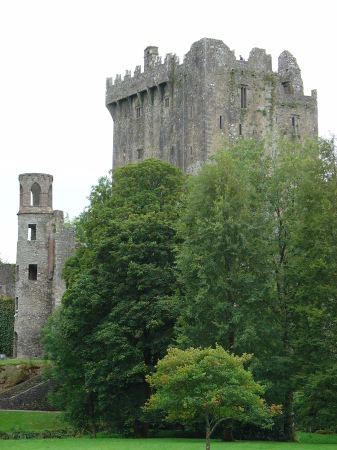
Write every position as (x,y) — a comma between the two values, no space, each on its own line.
(35,175)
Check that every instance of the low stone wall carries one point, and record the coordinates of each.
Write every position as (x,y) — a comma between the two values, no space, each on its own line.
(32,398)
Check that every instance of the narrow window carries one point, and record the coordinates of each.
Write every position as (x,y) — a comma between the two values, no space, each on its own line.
(32,232)
(294,125)
(191,150)
(137,112)
(16,304)
(32,272)
(220,122)
(243,97)
(240,129)
(140,153)
(167,102)
(172,151)
(35,195)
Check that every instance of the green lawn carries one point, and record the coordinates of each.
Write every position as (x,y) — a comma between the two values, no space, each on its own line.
(31,420)
(155,444)
(39,421)
(20,361)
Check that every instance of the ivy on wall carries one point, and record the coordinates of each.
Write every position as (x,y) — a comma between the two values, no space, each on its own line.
(6,325)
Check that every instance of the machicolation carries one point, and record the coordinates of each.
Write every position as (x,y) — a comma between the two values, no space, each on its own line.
(181,113)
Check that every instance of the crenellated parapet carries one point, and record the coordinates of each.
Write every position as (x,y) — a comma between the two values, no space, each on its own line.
(181,113)
(155,74)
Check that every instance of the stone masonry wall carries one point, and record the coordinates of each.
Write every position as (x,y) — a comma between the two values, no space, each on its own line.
(7,280)
(33,398)
(182,112)
(43,245)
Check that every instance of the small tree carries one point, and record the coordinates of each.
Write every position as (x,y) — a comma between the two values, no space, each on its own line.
(209,384)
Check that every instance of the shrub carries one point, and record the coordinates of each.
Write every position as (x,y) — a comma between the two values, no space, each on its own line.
(6,325)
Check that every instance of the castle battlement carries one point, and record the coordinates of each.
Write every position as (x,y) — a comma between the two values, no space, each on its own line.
(154,74)
(182,112)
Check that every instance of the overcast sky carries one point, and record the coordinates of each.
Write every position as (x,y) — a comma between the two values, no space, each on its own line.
(56,56)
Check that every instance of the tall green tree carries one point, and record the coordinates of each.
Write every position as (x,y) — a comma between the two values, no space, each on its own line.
(302,199)
(224,263)
(313,285)
(117,314)
(222,260)
(258,262)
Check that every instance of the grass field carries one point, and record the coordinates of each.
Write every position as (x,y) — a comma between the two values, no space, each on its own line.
(20,361)
(39,421)
(31,420)
(154,444)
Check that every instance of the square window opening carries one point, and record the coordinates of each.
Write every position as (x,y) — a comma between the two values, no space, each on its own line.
(32,272)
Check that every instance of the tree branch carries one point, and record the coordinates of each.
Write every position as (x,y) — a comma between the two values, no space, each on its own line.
(217,423)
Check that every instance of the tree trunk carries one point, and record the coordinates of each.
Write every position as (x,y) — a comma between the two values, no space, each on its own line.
(227,435)
(289,430)
(208,433)
(93,430)
(140,429)
(93,422)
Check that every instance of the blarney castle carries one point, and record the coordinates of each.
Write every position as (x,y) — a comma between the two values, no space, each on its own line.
(180,113)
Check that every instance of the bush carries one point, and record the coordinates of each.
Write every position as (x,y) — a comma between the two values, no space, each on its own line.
(18,433)
(6,325)
(26,370)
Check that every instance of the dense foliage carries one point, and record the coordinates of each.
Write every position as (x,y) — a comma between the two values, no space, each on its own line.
(258,264)
(6,325)
(117,315)
(253,243)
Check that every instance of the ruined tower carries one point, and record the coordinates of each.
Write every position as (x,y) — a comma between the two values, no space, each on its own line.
(181,113)
(44,243)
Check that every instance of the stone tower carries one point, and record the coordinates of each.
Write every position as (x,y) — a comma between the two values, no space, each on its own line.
(44,243)
(181,113)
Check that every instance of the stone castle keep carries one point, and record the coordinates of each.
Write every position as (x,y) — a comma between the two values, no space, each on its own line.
(44,243)
(181,113)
